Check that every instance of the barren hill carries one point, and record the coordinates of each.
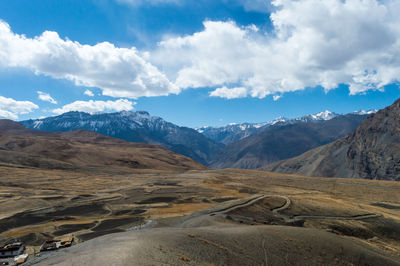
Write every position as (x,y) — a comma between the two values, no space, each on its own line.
(83,150)
(372,151)
(137,126)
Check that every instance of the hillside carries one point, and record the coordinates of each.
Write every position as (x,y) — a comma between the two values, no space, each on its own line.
(134,127)
(83,150)
(372,151)
(280,142)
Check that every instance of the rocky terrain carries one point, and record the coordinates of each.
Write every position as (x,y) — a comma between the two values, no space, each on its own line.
(372,151)
(285,140)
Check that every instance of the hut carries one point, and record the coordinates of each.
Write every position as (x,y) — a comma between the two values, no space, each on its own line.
(11,249)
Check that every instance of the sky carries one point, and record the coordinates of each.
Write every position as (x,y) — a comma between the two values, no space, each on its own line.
(198,63)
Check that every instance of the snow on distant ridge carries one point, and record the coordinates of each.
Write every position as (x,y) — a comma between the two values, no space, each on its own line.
(321,116)
(364,112)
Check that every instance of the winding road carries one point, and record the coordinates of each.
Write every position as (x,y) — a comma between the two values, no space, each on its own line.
(297,218)
(290,218)
(247,203)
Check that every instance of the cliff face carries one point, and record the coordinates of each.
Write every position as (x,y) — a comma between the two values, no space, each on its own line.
(372,151)
(374,148)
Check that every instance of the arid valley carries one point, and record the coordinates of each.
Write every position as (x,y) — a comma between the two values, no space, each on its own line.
(200,217)
(200,133)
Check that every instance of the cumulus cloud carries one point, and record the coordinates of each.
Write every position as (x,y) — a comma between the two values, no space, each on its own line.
(89,93)
(46,97)
(96,106)
(119,72)
(10,108)
(312,43)
(229,93)
(327,43)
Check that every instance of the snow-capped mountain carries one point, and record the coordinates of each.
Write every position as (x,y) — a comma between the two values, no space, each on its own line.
(322,116)
(137,126)
(234,132)
(364,112)
(202,144)
(290,139)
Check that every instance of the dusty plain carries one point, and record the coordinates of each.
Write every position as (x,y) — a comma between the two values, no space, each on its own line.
(37,204)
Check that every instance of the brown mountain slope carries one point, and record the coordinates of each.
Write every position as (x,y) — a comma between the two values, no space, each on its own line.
(83,150)
(372,152)
(281,142)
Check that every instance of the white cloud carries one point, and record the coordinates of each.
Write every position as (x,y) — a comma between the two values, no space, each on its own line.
(7,115)
(96,106)
(46,97)
(89,93)
(313,42)
(10,108)
(229,93)
(119,72)
(327,43)
(276,97)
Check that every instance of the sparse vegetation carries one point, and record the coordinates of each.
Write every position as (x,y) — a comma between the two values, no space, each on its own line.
(183,257)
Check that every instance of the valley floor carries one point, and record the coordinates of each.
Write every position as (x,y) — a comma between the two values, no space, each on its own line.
(225,217)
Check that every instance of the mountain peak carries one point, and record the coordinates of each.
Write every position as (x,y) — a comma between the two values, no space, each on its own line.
(324,115)
(125,113)
(143,114)
(279,119)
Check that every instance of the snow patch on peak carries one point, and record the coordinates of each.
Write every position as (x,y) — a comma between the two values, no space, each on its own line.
(364,112)
(325,115)
(277,120)
(258,125)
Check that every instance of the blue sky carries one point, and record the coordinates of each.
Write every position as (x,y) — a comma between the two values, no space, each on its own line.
(198,63)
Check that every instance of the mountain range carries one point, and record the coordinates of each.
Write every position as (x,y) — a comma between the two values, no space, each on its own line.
(285,140)
(248,145)
(137,126)
(234,132)
(372,151)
